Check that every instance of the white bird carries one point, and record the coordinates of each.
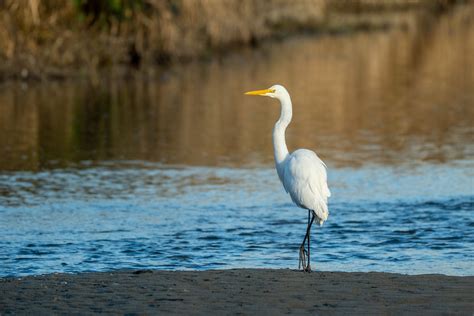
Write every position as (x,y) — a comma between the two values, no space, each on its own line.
(301,172)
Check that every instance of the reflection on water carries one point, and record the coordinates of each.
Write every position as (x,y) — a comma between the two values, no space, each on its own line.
(395,97)
(177,173)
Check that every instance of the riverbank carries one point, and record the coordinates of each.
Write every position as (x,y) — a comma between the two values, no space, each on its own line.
(59,40)
(247,291)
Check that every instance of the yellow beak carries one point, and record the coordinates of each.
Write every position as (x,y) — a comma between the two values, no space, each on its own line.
(259,92)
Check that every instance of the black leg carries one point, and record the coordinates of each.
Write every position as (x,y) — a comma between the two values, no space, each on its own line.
(309,249)
(308,232)
(306,252)
(308,268)
(303,251)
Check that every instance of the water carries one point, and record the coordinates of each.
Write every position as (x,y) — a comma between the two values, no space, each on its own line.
(132,215)
(177,173)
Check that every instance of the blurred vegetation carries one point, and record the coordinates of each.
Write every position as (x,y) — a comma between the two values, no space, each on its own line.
(104,11)
(42,39)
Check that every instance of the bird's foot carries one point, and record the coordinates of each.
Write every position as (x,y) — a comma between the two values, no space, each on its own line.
(302,262)
(307,269)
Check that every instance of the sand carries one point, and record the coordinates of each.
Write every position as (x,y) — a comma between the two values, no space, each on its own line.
(241,291)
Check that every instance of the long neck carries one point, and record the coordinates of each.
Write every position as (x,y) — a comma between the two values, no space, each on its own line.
(279,143)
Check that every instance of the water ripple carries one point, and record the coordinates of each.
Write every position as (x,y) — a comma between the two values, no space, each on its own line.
(164,218)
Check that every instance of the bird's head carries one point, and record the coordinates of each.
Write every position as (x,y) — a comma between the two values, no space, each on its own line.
(275,91)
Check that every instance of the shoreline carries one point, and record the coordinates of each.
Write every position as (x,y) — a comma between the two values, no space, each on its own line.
(249,291)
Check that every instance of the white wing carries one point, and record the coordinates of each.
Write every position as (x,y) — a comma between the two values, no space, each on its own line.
(305,179)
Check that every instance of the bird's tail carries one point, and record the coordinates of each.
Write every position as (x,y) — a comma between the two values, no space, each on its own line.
(322,212)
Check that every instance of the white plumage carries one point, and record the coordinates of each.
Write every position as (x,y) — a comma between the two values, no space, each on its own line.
(305,179)
(302,173)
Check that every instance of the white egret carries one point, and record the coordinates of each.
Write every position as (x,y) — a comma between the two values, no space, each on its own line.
(302,173)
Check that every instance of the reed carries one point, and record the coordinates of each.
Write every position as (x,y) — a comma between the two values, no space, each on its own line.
(56,39)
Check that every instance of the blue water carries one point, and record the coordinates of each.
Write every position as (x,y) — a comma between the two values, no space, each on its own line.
(149,215)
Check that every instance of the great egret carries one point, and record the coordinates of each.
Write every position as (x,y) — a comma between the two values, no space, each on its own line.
(302,173)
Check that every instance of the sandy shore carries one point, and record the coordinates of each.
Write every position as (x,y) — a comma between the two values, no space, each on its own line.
(245,291)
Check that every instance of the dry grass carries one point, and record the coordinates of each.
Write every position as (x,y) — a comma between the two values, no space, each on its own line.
(51,38)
